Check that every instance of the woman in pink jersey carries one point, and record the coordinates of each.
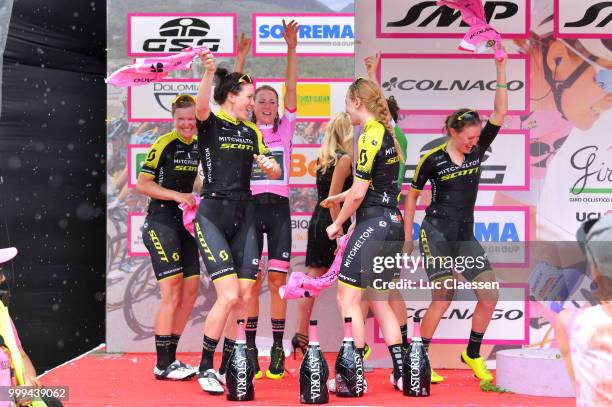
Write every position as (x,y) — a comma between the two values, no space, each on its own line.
(272,214)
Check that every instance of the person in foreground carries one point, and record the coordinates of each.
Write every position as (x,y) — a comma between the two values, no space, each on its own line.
(584,336)
(224,229)
(379,231)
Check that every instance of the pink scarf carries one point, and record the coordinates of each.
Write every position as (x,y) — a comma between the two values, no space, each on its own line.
(481,36)
(147,70)
(301,286)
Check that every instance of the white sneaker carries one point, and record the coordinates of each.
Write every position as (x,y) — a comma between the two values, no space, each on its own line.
(209,382)
(221,378)
(176,371)
(398,384)
(331,385)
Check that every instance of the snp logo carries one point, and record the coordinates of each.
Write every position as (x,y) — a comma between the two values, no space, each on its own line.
(416,17)
(429,14)
(589,16)
(180,33)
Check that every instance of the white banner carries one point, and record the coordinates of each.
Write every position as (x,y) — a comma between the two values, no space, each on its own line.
(153,102)
(303,162)
(418,18)
(136,245)
(509,323)
(319,34)
(168,33)
(438,83)
(502,231)
(583,19)
(505,167)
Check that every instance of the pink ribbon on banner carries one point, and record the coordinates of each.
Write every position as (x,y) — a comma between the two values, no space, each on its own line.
(189,213)
(147,70)
(300,285)
(481,36)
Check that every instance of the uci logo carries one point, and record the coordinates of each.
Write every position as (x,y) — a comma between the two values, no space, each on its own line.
(180,33)
(429,14)
(592,16)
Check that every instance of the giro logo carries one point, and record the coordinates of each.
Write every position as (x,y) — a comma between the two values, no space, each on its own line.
(585,18)
(415,18)
(165,34)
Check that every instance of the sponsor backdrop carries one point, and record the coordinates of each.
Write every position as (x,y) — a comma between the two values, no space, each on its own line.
(549,169)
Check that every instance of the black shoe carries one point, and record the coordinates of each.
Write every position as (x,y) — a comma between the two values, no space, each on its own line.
(299,341)
(253,354)
(276,370)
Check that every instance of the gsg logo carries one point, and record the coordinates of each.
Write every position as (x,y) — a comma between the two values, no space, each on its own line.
(181,33)
(415,18)
(153,34)
(577,18)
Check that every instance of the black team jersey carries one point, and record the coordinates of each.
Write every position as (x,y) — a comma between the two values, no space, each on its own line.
(226,148)
(378,163)
(173,162)
(454,188)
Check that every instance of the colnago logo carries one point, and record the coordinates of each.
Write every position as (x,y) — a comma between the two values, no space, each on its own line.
(170,33)
(416,17)
(241,375)
(415,377)
(315,375)
(435,84)
(462,313)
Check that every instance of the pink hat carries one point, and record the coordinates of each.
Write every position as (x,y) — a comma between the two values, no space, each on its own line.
(7,254)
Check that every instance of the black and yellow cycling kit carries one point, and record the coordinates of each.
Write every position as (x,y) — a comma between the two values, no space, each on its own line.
(379,230)
(173,163)
(447,229)
(224,227)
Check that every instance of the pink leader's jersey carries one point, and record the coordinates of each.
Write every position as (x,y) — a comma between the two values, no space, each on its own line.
(280,145)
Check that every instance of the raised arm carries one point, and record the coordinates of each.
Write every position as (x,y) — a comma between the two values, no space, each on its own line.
(290,35)
(244,46)
(205,89)
(371,64)
(500,107)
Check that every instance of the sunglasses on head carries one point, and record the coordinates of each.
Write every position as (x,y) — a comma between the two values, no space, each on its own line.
(183,98)
(243,79)
(469,116)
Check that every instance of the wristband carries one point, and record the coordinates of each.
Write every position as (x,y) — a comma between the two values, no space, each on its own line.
(502,86)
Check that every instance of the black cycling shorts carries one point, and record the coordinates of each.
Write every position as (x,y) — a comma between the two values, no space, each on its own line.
(225,234)
(173,250)
(379,232)
(273,217)
(448,245)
